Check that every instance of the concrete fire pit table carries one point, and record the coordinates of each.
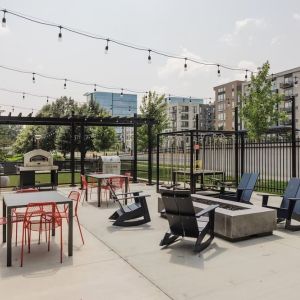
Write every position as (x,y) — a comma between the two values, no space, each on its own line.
(237,221)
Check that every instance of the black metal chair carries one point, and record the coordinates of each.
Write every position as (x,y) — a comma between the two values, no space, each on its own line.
(244,190)
(290,206)
(184,222)
(134,214)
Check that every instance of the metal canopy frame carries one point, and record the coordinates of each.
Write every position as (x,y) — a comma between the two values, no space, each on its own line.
(81,121)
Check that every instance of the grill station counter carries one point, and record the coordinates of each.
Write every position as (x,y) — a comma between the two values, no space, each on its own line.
(38,161)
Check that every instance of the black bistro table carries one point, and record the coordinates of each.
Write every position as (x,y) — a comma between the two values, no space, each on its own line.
(196,174)
(102,177)
(19,200)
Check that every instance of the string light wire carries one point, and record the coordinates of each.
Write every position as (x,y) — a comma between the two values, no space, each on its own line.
(117,42)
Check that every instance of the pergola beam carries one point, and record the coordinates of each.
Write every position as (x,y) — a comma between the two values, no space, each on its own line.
(68,121)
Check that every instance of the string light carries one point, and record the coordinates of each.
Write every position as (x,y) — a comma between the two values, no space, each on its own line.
(149,56)
(4,19)
(185,64)
(219,71)
(60,34)
(119,43)
(106,47)
(95,89)
(51,77)
(65,84)
(23,96)
(121,93)
(33,77)
(129,108)
(246,75)
(47,99)
(190,99)
(13,109)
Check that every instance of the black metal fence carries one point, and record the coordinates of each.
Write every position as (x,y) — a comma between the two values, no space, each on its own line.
(275,156)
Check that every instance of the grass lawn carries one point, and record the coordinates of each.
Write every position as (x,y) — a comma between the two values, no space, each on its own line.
(63,178)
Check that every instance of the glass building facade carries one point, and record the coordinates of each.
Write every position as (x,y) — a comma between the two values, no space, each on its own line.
(116,104)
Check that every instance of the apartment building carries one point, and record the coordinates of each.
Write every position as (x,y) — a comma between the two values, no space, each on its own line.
(286,83)
(226,98)
(182,114)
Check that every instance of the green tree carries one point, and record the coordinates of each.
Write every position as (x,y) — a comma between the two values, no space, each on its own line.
(155,107)
(8,134)
(104,138)
(24,141)
(259,109)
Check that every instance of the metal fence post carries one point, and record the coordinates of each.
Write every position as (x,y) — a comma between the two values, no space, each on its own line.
(150,144)
(157,163)
(72,151)
(242,153)
(82,138)
(192,162)
(134,177)
(236,124)
(294,157)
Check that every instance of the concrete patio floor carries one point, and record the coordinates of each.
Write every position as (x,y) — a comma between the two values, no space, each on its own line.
(127,263)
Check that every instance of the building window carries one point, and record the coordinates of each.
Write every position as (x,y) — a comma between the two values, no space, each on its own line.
(184,124)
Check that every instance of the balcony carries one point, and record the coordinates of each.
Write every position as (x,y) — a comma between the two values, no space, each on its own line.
(286,85)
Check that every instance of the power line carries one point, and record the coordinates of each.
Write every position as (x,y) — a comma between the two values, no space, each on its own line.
(109,41)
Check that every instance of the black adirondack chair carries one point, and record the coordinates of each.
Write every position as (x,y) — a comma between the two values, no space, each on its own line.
(244,189)
(133,214)
(184,222)
(290,205)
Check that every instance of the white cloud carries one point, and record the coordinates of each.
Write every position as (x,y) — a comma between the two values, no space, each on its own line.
(275,40)
(247,65)
(296,16)
(241,24)
(176,66)
(239,27)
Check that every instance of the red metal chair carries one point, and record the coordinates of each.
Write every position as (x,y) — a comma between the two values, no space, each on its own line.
(85,188)
(117,183)
(75,196)
(41,217)
(18,215)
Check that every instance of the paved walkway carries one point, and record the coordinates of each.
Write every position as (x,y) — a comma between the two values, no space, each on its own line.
(127,263)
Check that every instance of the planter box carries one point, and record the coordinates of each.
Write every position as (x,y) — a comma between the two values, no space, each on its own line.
(237,221)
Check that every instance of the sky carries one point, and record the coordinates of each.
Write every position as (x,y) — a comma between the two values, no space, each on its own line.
(242,33)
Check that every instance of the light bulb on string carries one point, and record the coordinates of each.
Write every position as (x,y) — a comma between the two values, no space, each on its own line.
(65,84)
(246,75)
(4,19)
(13,109)
(185,64)
(129,108)
(190,99)
(23,96)
(60,34)
(95,87)
(47,99)
(121,93)
(169,97)
(149,57)
(33,77)
(106,47)
(219,71)
(146,95)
